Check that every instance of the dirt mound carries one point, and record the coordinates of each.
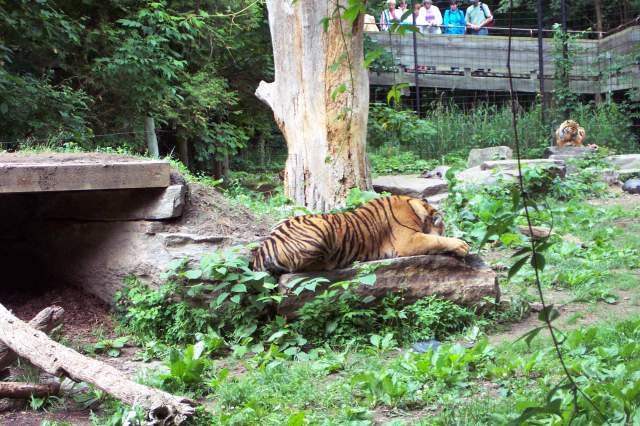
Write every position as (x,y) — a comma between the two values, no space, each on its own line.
(208,212)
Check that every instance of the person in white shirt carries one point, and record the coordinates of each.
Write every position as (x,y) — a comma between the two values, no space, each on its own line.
(389,15)
(433,18)
(420,13)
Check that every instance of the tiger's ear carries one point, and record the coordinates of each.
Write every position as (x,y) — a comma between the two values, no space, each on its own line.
(419,209)
(437,220)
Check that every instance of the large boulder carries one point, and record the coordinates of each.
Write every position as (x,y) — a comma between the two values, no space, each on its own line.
(555,167)
(478,156)
(411,185)
(626,165)
(466,281)
(475,176)
(632,186)
(567,152)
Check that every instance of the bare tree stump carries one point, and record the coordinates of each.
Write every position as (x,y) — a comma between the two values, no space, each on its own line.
(320,100)
(46,320)
(54,358)
(18,390)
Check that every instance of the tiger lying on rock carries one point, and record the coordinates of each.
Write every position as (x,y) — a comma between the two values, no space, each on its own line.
(388,227)
(571,134)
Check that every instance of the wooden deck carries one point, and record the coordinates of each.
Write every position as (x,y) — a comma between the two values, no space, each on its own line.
(480,62)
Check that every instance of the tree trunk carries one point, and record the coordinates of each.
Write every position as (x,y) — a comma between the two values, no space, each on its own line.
(325,127)
(26,390)
(183,150)
(599,20)
(46,320)
(150,137)
(54,358)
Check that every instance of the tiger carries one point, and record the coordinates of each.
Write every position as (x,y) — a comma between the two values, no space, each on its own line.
(382,228)
(571,134)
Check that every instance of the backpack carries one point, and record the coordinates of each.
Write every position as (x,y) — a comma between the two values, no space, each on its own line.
(484,11)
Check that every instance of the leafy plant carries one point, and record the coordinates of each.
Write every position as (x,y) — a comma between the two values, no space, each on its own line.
(112,347)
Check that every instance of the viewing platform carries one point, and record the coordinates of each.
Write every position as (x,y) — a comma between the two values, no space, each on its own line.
(471,62)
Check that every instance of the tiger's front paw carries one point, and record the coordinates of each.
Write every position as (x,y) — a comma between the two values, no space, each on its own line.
(458,247)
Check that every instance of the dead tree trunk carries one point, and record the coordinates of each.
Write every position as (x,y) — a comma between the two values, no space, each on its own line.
(57,359)
(320,100)
(46,320)
(17,390)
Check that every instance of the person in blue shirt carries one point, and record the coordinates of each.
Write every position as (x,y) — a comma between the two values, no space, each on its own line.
(454,21)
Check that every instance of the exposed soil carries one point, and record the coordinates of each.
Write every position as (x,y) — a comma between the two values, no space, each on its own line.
(208,212)
(86,318)
(35,418)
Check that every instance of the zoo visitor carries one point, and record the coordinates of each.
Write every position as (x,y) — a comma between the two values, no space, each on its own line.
(454,19)
(478,17)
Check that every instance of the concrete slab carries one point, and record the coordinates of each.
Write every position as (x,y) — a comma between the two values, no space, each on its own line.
(411,185)
(79,172)
(115,204)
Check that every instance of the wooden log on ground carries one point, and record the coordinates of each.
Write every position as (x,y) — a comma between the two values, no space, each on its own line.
(465,281)
(46,320)
(19,390)
(54,358)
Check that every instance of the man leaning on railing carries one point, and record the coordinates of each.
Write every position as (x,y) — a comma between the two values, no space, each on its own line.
(478,18)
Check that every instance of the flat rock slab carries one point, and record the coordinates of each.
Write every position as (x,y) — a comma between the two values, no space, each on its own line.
(118,204)
(567,152)
(478,156)
(411,185)
(465,281)
(513,165)
(625,162)
(79,172)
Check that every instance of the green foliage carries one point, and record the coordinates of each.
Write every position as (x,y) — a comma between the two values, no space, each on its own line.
(186,369)
(393,127)
(389,160)
(222,294)
(112,347)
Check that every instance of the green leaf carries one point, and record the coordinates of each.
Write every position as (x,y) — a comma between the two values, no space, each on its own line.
(325,23)
(372,56)
(296,419)
(193,274)
(369,279)
(239,288)
(341,88)
(517,266)
(538,261)
(235,299)
(351,13)
(548,313)
(530,335)
(221,298)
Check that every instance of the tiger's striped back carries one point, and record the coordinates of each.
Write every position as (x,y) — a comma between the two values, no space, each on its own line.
(330,241)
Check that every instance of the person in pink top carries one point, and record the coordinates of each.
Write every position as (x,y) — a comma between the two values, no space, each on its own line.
(433,18)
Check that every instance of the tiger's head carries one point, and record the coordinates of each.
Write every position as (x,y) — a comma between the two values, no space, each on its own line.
(569,127)
(432,222)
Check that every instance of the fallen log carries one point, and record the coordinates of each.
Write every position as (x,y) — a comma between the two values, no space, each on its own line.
(465,281)
(19,390)
(54,358)
(46,320)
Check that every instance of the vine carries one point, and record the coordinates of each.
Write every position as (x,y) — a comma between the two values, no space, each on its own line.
(534,254)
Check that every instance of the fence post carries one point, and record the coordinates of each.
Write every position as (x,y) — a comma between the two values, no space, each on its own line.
(415,59)
(565,48)
(543,106)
